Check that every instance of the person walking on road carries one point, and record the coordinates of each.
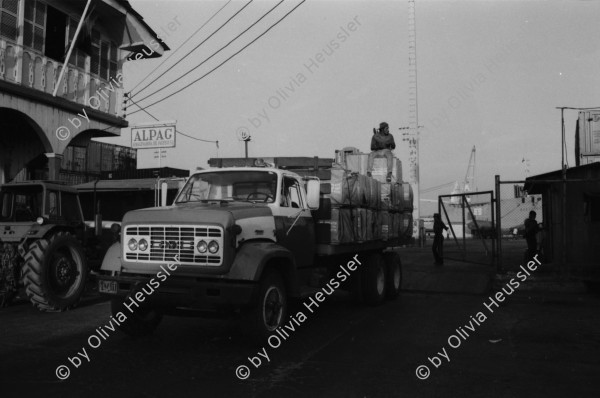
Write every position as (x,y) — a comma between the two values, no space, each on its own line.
(438,239)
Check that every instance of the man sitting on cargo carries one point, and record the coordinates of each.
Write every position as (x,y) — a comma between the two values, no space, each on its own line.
(382,144)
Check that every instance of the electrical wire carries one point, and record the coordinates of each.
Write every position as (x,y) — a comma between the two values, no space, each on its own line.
(437,187)
(195,48)
(226,60)
(213,54)
(179,132)
(181,45)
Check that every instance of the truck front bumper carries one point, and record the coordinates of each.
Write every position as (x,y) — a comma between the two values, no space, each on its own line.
(194,293)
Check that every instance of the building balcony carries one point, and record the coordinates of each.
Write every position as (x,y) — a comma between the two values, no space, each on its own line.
(29,68)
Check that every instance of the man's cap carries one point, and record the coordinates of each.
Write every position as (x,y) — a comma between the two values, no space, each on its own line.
(383,125)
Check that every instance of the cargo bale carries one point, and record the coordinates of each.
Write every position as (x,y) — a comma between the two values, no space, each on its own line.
(384,224)
(336,230)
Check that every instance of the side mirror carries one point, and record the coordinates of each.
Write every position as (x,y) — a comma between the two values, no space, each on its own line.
(313,189)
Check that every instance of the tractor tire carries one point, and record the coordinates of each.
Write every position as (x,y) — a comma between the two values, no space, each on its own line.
(270,312)
(55,272)
(393,275)
(143,321)
(374,280)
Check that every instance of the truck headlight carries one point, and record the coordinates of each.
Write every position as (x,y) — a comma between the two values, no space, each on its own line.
(213,247)
(133,245)
(143,244)
(202,246)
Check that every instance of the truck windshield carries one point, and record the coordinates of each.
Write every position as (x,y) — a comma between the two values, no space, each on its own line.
(21,204)
(240,185)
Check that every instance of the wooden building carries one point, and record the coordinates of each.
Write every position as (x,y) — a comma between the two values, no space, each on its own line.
(572,233)
(37,128)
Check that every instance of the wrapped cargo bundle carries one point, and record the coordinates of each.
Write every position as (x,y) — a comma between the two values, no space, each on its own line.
(359,220)
(374,231)
(380,170)
(357,163)
(386,196)
(336,230)
(392,195)
(346,188)
(407,197)
(397,225)
(373,193)
(406,228)
(385,224)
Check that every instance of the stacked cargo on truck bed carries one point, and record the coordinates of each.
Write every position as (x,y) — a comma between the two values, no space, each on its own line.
(353,207)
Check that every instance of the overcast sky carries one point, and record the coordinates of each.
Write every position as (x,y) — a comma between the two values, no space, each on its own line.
(490,74)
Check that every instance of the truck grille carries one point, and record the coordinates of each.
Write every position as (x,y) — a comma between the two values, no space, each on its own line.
(165,242)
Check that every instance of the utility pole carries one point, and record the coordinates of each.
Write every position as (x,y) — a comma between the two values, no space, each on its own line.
(413,118)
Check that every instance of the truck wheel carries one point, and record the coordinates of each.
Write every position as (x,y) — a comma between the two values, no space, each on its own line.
(141,322)
(55,272)
(394,274)
(271,309)
(374,280)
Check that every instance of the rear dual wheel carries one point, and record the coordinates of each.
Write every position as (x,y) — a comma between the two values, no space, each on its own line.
(374,280)
(382,278)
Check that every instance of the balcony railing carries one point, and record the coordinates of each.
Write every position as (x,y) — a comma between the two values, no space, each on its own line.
(29,68)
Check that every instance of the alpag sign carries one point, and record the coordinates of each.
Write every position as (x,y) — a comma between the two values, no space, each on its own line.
(153,137)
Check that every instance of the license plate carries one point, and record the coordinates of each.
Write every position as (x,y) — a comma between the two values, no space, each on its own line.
(108,287)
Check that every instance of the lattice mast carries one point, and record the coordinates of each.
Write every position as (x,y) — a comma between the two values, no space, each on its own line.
(412,136)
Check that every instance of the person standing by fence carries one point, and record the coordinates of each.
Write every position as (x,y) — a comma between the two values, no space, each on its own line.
(531,230)
(438,239)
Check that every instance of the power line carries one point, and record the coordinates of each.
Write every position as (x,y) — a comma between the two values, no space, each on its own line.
(437,187)
(213,54)
(222,63)
(181,45)
(195,48)
(179,132)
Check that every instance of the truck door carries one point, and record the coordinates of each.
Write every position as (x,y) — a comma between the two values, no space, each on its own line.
(292,210)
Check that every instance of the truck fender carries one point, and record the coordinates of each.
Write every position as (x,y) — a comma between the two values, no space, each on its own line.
(252,258)
(112,258)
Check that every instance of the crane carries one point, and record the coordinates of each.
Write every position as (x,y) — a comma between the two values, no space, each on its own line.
(468,185)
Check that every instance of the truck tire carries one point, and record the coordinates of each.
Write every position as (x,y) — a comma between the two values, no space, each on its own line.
(394,274)
(55,272)
(143,321)
(270,311)
(374,280)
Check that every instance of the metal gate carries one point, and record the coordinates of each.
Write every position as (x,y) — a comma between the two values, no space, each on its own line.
(471,221)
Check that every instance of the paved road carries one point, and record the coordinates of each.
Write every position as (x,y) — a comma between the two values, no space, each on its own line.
(528,347)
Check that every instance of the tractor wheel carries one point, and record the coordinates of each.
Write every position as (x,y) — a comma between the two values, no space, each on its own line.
(271,309)
(55,272)
(374,280)
(394,275)
(141,322)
